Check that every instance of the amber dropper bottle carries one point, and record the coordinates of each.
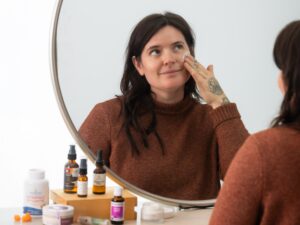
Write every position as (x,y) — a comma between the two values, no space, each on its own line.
(117,207)
(71,172)
(99,175)
(82,189)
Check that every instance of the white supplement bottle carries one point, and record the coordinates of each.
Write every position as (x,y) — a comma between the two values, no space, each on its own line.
(36,192)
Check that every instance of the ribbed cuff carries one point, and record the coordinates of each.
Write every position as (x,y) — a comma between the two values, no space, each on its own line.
(224,113)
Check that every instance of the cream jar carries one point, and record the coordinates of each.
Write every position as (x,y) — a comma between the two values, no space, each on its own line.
(58,214)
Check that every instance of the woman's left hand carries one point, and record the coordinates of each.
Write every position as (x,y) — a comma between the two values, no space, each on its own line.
(207,84)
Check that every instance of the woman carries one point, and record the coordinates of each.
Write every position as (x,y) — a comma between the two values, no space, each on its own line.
(262,185)
(157,135)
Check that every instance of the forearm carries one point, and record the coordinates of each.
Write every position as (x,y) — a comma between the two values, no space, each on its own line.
(230,132)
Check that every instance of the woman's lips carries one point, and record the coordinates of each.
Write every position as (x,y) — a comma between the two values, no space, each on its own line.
(171,71)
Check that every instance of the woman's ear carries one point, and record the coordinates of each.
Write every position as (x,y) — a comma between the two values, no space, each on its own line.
(281,84)
(138,65)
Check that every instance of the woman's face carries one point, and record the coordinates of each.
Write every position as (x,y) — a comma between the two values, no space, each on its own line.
(162,61)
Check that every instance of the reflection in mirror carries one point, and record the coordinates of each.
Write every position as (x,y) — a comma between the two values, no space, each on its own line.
(190,144)
(157,131)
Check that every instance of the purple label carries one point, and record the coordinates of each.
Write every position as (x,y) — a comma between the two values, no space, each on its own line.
(117,211)
(66,221)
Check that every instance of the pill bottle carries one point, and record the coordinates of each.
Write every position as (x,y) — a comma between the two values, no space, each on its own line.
(36,192)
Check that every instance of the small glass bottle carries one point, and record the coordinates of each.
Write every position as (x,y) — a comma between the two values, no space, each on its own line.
(82,183)
(99,175)
(117,207)
(71,172)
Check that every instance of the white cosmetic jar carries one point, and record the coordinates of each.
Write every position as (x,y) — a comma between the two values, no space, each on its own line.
(58,214)
(152,212)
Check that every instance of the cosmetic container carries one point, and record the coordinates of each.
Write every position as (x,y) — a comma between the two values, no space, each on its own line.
(71,171)
(58,214)
(117,207)
(87,220)
(36,192)
(82,189)
(99,178)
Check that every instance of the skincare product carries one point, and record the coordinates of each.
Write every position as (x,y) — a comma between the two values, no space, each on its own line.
(58,214)
(99,175)
(82,182)
(71,172)
(87,220)
(117,207)
(36,192)
(152,212)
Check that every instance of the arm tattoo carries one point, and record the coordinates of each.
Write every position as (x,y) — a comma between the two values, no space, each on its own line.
(225,100)
(214,86)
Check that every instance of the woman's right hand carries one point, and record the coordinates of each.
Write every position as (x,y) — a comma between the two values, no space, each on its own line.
(207,84)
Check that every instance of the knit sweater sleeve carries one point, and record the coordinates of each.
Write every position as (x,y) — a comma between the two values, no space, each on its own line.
(239,201)
(95,131)
(230,132)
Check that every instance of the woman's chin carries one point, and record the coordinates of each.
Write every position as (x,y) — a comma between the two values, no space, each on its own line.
(175,83)
(174,86)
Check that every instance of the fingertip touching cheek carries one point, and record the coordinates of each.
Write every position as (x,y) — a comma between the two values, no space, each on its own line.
(185,54)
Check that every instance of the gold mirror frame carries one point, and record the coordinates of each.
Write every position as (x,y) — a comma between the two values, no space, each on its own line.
(112,175)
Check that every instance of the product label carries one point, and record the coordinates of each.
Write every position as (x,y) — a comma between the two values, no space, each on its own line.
(82,188)
(75,173)
(32,211)
(71,177)
(35,197)
(99,179)
(57,219)
(117,211)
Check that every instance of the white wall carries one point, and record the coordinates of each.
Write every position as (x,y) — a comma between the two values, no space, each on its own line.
(236,36)
(32,131)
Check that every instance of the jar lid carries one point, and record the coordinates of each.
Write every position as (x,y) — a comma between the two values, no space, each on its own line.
(36,174)
(58,210)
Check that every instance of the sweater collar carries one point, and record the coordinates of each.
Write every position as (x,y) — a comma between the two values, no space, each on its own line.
(175,108)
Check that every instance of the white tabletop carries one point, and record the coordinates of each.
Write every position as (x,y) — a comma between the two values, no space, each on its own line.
(199,217)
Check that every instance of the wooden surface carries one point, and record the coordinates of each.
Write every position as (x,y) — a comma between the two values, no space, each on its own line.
(93,205)
(199,217)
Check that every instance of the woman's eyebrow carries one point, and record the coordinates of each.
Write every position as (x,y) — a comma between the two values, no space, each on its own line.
(153,47)
(178,42)
(158,46)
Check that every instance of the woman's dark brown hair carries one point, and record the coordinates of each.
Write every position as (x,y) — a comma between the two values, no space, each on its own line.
(287,58)
(137,98)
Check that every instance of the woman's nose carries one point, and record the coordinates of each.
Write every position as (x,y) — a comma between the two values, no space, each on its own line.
(169,58)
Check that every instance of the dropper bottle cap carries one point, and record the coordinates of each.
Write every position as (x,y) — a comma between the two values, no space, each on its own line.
(118,191)
(99,160)
(72,153)
(83,166)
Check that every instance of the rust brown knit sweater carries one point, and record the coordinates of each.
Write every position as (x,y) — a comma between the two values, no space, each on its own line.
(199,145)
(262,185)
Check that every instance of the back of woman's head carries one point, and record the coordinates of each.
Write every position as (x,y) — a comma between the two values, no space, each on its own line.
(287,58)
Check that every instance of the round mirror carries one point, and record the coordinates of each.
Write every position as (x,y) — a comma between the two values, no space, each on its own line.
(88,46)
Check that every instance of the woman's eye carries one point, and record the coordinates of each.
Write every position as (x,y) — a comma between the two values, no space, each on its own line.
(178,47)
(154,52)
